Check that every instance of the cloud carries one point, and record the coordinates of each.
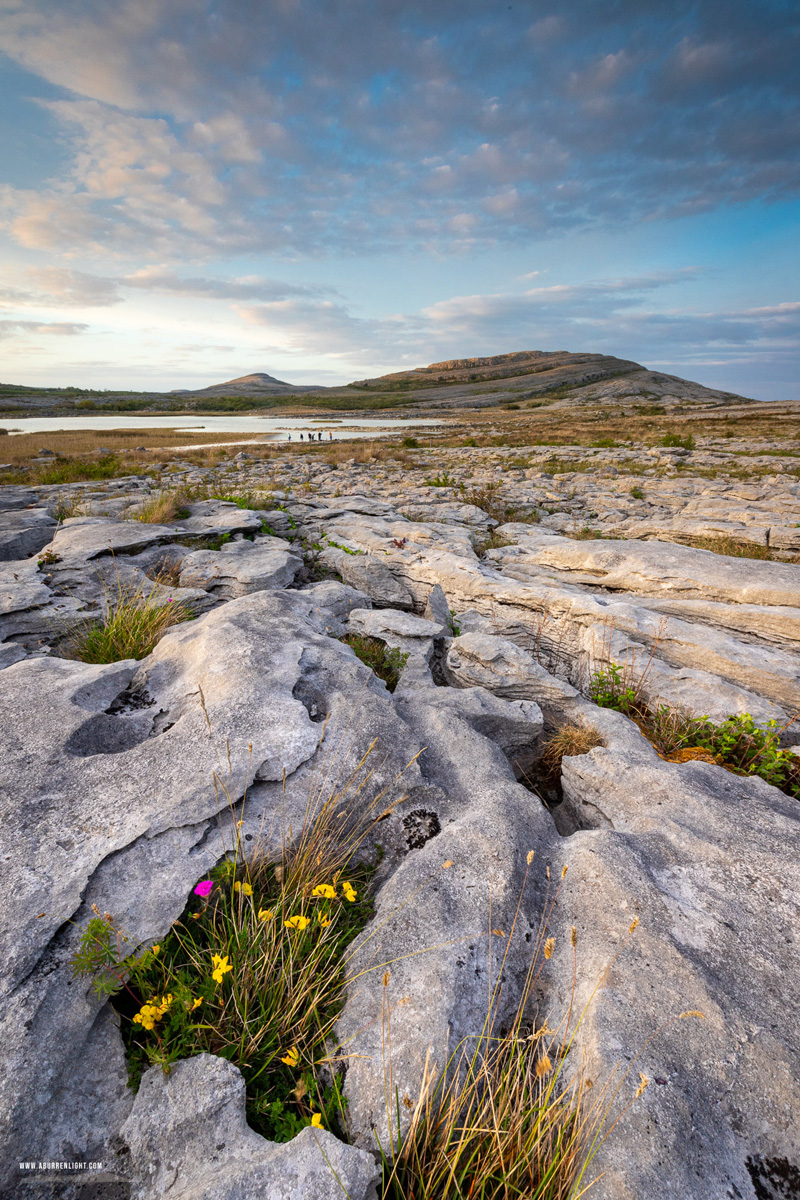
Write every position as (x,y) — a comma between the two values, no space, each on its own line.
(58,328)
(252,287)
(309,127)
(603,316)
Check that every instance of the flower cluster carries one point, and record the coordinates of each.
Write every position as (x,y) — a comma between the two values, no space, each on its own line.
(152,1012)
(221,967)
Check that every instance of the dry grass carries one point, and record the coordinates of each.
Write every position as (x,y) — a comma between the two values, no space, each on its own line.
(164,508)
(20,448)
(568,742)
(734,548)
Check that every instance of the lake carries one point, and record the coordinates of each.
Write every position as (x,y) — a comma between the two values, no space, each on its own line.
(341,428)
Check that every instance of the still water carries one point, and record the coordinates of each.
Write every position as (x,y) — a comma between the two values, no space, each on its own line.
(279,427)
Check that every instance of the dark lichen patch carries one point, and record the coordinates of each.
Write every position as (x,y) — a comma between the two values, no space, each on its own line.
(774,1178)
(420,826)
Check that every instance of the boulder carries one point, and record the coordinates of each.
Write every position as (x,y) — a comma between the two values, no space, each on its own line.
(187,1139)
(241,567)
(23,532)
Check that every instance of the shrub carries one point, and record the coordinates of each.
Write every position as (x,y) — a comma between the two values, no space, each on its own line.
(410,443)
(133,624)
(66,507)
(637,493)
(442,480)
(739,743)
(490,498)
(674,439)
(387,664)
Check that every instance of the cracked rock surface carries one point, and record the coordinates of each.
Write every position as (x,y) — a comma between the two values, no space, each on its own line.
(110,793)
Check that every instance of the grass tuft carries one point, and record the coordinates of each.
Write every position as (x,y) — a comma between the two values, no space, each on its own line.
(569,741)
(387,664)
(164,508)
(133,624)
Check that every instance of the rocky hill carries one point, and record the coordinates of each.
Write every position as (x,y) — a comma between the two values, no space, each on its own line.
(257,384)
(526,378)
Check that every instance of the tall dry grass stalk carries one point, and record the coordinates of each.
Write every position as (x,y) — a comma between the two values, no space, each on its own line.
(510,1115)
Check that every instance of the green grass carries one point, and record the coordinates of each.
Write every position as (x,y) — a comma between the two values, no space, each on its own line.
(72,470)
(387,664)
(133,624)
(739,743)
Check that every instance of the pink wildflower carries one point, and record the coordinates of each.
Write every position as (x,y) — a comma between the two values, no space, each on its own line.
(204,889)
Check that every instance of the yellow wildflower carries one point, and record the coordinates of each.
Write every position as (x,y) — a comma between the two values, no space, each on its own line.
(316,1121)
(196,1003)
(153,1011)
(155,949)
(221,967)
(325,891)
(265,914)
(348,891)
(324,921)
(292,1057)
(244,888)
(296,922)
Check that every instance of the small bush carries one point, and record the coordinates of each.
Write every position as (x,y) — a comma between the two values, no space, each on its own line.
(637,493)
(410,443)
(738,743)
(491,500)
(674,439)
(387,664)
(133,625)
(442,480)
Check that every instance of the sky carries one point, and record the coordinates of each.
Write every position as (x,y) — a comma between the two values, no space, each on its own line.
(328,190)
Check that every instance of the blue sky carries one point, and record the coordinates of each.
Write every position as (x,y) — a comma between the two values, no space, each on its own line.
(331,189)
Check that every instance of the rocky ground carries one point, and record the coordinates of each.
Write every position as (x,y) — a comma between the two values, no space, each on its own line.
(508,575)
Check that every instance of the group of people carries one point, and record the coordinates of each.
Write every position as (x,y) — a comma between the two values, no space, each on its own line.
(314,435)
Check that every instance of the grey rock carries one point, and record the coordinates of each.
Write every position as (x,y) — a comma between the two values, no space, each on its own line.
(241,568)
(10,652)
(436,607)
(367,573)
(85,538)
(23,532)
(482,660)
(708,862)
(188,1139)
(215,517)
